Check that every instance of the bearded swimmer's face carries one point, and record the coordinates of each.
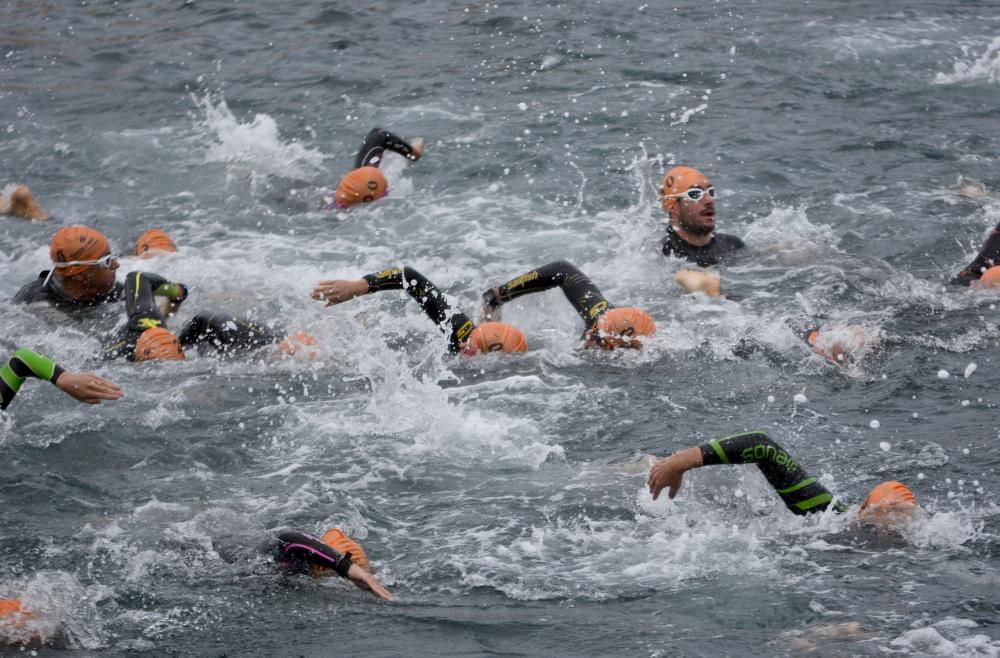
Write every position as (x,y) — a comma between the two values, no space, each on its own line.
(694,216)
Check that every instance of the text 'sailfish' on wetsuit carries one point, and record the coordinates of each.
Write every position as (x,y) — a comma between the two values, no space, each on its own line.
(141,289)
(578,288)
(376,142)
(299,549)
(23,364)
(457,325)
(720,249)
(987,257)
(800,493)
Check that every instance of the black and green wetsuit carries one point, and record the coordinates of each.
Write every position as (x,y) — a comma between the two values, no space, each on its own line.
(801,494)
(23,364)
(457,325)
(141,289)
(581,292)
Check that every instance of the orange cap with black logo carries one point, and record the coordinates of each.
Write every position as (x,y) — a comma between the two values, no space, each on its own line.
(154,241)
(158,344)
(495,337)
(889,501)
(362,185)
(338,541)
(678,181)
(75,243)
(617,327)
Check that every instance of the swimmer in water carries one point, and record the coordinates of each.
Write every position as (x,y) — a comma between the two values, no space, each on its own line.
(606,326)
(83,386)
(366,183)
(20,202)
(154,242)
(82,274)
(688,197)
(984,270)
(333,553)
(464,336)
(889,505)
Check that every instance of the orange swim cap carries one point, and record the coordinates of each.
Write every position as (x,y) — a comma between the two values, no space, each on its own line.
(74,243)
(9,607)
(991,277)
(153,241)
(617,327)
(889,502)
(679,180)
(362,185)
(338,541)
(299,343)
(158,344)
(495,337)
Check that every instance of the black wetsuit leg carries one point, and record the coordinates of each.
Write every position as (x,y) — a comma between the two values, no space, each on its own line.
(581,292)
(141,289)
(987,257)
(800,493)
(376,142)
(225,333)
(21,365)
(456,325)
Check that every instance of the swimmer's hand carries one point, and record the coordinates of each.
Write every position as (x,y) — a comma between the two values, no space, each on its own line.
(669,471)
(706,282)
(337,291)
(364,580)
(87,387)
(489,311)
(417,148)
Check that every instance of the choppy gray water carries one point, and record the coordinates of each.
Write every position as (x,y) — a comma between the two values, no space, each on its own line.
(501,498)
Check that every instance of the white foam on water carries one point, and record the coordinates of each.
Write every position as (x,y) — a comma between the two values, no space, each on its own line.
(63,610)
(973,67)
(949,637)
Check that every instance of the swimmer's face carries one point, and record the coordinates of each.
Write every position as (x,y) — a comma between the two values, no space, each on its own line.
(696,217)
(890,517)
(100,277)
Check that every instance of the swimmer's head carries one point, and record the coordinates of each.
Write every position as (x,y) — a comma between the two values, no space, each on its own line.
(889,504)
(152,242)
(363,185)
(689,198)
(991,277)
(495,337)
(840,344)
(299,343)
(338,541)
(619,327)
(158,344)
(82,254)
(678,181)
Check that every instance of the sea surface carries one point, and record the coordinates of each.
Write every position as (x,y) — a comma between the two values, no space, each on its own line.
(502,499)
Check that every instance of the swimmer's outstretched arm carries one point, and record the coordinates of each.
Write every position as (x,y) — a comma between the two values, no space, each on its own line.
(578,288)
(456,324)
(304,548)
(987,257)
(85,387)
(378,140)
(141,289)
(800,493)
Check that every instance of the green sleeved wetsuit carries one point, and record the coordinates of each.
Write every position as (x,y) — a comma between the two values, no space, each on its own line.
(457,325)
(141,289)
(581,292)
(23,364)
(801,494)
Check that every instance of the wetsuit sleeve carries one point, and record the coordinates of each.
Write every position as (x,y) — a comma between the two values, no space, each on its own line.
(801,494)
(457,325)
(225,333)
(302,549)
(376,142)
(987,257)
(141,289)
(23,364)
(579,290)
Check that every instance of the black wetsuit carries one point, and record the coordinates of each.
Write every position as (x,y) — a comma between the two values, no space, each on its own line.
(52,293)
(800,493)
(581,292)
(302,551)
(456,325)
(721,248)
(987,257)
(23,364)
(376,142)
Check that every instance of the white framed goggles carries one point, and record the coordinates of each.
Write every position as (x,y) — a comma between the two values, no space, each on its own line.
(693,194)
(104,261)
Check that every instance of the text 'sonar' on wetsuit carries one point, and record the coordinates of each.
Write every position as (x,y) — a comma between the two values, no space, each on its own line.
(376,142)
(801,494)
(21,365)
(141,289)
(987,257)
(455,324)
(721,248)
(581,292)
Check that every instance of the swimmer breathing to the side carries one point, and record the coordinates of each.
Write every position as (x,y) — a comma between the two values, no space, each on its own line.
(83,386)
(889,506)
(606,326)
(464,336)
(333,553)
(366,183)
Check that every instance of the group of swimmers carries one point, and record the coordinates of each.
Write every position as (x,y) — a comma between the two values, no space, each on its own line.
(83,276)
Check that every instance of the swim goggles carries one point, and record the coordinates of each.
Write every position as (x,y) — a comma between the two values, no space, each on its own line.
(693,194)
(104,261)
